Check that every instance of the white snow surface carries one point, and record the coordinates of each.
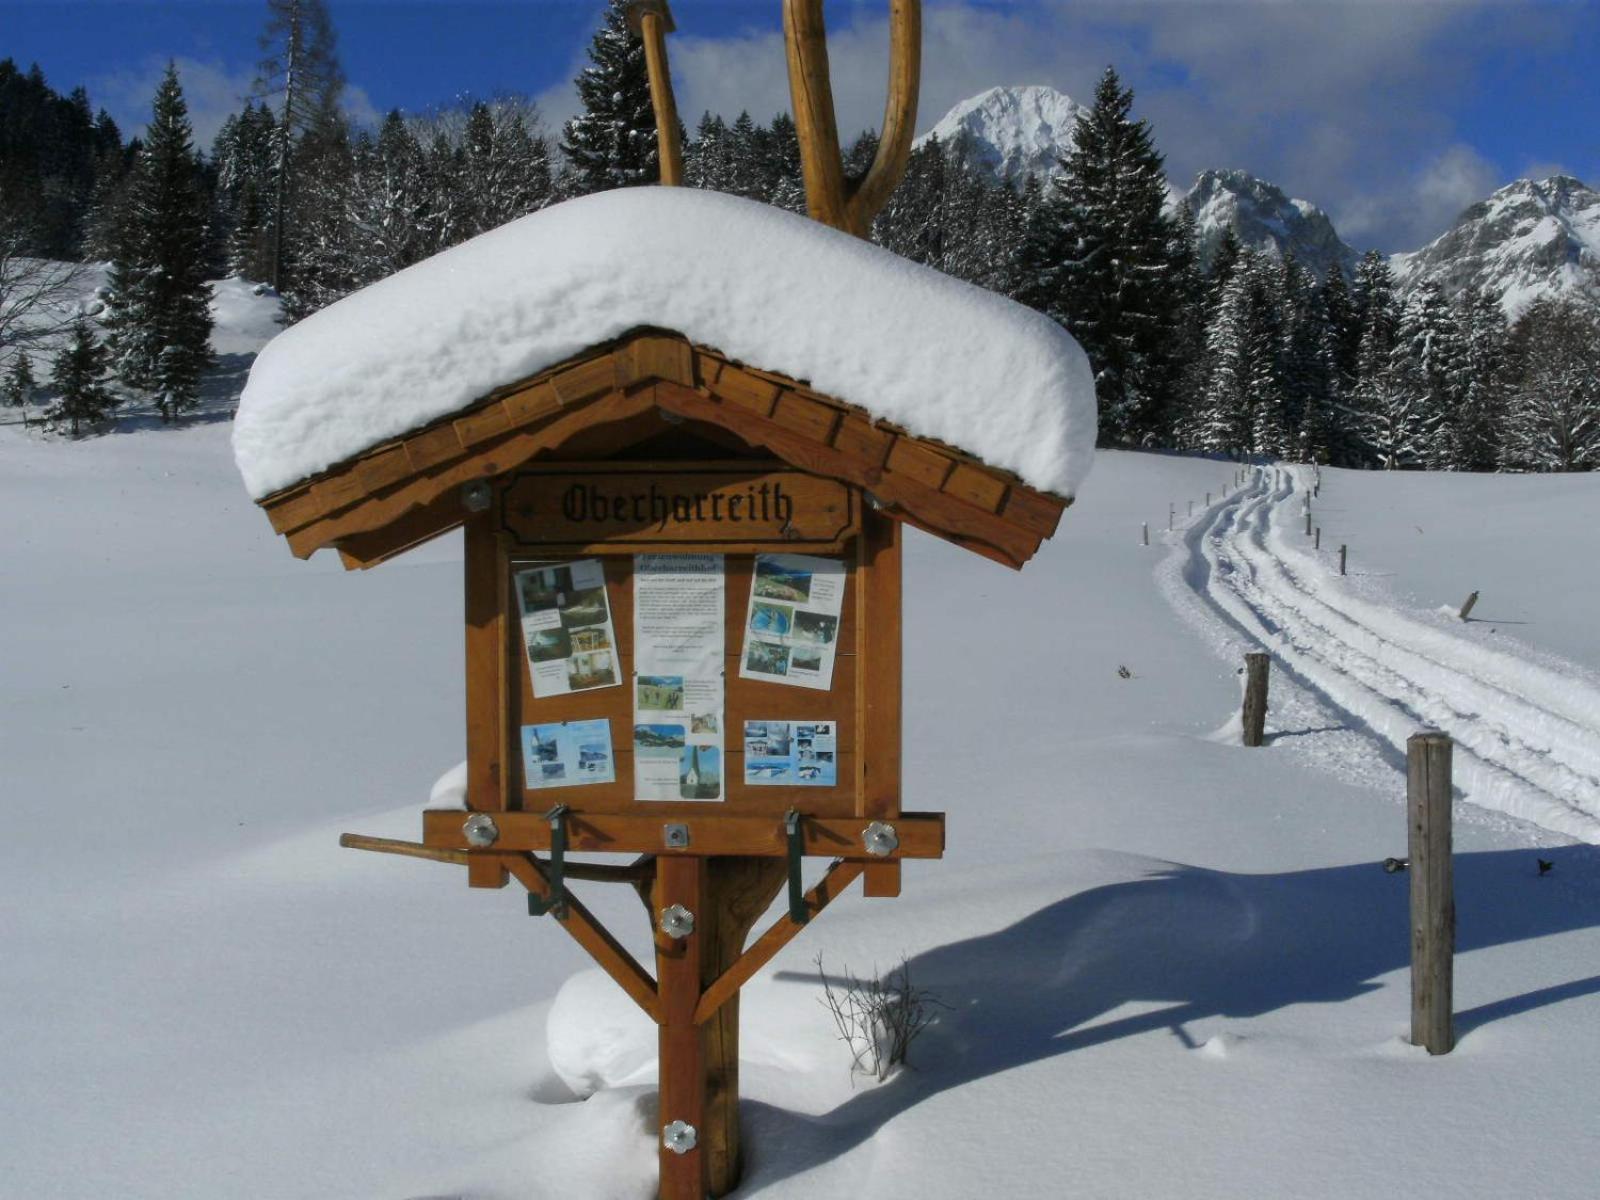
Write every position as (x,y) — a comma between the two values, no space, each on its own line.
(1174,967)
(937,356)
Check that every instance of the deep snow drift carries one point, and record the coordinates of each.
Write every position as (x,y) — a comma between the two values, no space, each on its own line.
(1174,967)
(908,344)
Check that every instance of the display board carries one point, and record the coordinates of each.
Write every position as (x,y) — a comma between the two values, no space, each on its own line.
(637,677)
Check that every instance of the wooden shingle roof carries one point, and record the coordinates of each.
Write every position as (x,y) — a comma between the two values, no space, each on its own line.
(404,492)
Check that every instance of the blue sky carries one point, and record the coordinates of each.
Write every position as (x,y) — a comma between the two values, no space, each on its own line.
(1391,115)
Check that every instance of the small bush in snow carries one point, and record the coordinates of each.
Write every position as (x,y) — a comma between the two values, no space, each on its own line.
(879,1017)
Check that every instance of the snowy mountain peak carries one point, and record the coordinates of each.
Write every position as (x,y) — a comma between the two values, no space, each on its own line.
(1265,219)
(1531,238)
(1013,131)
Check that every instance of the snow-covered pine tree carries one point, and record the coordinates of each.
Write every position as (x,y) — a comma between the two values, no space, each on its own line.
(300,69)
(744,159)
(1225,256)
(1431,343)
(1378,317)
(1220,421)
(706,161)
(1305,374)
(1107,242)
(505,166)
(779,153)
(245,156)
(612,142)
(1265,312)
(319,262)
(1480,385)
(1555,404)
(389,211)
(79,379)
(159,314)
(1189,334)
(19,386)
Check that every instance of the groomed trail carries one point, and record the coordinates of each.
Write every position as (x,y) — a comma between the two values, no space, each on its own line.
(1527,737)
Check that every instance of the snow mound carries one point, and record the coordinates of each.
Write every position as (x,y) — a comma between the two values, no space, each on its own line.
(939,357)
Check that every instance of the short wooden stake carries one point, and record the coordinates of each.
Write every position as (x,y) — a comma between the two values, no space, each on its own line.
(1308,521)
(1433,904)
(1172,512)
(1466,609)
(1257,667)
(1208,499)
(1191,508)
(1317,545)
(1342,550)
(1145,531)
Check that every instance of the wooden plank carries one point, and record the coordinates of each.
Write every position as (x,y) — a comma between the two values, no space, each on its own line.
(1034,511)
(941,514)
(681,881)
(738,891)
(649,357)
(878,704)
(290,510)
(927,466)
(433,447)
(609,953)
(745,390)
(485,634)
(976,486)
(360,551)
(640,832)
(860,438)
(383,467)
(838,877)
(586,380)
(335,492)
(531,403)
(806,417)
(657,505)
(482,424)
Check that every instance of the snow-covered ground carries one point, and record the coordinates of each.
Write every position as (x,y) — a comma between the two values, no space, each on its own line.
(1174,967)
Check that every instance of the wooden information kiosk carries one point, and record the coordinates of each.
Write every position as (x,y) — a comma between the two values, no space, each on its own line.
(683,646)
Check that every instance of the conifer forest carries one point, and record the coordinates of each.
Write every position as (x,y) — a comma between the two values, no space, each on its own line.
(1230,352)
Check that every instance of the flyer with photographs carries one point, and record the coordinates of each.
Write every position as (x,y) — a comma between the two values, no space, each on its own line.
(567,753)
(791,753)
(792,629)
(566,627)
(679,615)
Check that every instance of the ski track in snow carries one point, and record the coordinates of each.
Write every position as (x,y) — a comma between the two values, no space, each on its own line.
(1527,738)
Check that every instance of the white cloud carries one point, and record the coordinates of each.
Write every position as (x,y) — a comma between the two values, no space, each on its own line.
(212,91)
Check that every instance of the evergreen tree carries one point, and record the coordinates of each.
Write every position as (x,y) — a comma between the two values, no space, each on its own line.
(505,167)
(1555,404)
(245,156)
(300,66)
(1101,256)
(159,312)
(19,385)
(79,378)
(612,142)
(1220,423)
(1384,423)
(1429,344)
(1225,256)
(1480,384)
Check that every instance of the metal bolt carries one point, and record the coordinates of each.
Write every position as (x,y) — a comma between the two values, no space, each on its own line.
(475,497)
(480,830)
(674,836)
(679,1137)
(880,839)
(677,921)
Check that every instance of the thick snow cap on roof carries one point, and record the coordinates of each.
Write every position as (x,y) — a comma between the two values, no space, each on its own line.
(941,358)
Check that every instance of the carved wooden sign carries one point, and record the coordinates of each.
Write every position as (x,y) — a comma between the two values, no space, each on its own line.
(676,504)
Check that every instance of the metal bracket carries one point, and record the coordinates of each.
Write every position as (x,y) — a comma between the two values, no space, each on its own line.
(797,848)
(556,905)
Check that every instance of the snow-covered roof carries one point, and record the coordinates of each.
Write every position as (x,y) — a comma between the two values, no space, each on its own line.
(940,358)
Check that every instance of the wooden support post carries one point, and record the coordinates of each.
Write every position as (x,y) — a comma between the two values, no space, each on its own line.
(1433,904)
(1257,667)
(1191,508)
(1308,520)
(681,880)
(738,892)
(1317,544)
(1342,549)
(1208,499)
(1145,531)
(1466,609)
(652,21)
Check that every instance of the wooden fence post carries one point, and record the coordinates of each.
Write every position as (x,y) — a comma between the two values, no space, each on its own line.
(1466,609)
(1145,532)
(1342,549)
(1257,666)
(1433,904)
(1317,545)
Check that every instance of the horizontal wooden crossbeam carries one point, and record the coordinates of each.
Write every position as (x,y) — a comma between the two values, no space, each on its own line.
(921,835)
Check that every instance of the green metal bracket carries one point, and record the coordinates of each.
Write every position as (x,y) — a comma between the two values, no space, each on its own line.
(797,845)
(556,905)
